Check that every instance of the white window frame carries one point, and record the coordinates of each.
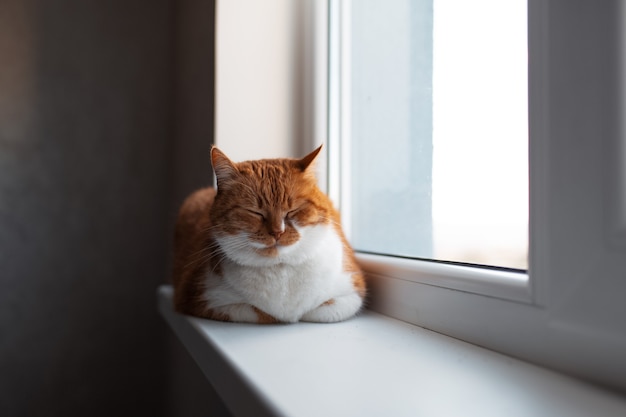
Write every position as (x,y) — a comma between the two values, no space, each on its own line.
(566,313)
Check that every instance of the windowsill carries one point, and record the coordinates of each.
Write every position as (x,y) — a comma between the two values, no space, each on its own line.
(373,365)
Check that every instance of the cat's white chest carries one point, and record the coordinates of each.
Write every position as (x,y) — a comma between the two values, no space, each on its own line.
(309,275)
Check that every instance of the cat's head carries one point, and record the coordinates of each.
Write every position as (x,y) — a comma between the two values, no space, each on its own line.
(268,211)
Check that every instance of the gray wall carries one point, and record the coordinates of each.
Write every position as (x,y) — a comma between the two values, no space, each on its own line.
(190,394)
(95,124)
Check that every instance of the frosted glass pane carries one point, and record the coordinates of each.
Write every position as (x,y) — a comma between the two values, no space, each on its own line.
(439,136)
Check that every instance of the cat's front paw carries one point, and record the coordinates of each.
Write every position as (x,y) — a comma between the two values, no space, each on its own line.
(243,313)
(335,309)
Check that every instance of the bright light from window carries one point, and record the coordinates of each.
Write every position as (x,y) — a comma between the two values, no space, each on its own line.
(480,132)
(438,129)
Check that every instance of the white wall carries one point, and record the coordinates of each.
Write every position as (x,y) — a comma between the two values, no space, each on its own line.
(265,77)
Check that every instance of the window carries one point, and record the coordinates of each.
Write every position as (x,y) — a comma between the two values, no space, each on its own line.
(438,137)
(385,105)
(433,137)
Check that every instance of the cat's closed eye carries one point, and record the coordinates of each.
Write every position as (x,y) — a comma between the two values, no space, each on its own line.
(302,211)
(250,212)
(257,213)
(292,213)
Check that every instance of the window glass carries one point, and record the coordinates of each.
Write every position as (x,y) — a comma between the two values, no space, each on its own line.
(438,132)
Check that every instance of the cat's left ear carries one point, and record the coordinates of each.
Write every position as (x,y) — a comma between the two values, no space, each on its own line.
(223,167)
(309,161)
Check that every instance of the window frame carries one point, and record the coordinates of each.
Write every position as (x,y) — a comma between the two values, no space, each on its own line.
(539,316)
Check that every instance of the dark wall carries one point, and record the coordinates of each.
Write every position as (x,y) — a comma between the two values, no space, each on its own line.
(190,393)
(89,152)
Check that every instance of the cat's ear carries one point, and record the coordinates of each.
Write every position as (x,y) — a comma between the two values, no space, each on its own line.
(307,163)
(224,168)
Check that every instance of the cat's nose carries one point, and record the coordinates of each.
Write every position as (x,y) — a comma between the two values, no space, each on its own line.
(277,227)
(277,233)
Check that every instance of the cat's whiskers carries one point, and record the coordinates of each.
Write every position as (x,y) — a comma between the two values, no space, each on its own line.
(219,261)
(208,228)
(201,257)
(235,243)
(207,253)
(205,248)
(331,221)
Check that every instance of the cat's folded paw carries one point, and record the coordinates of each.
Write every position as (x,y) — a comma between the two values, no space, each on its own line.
(243,313)
(335,309)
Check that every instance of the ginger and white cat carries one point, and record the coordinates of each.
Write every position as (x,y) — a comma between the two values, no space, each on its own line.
(265,247)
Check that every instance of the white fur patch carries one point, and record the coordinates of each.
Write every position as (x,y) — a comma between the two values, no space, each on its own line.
(301,278)
(339,309)
(239,312)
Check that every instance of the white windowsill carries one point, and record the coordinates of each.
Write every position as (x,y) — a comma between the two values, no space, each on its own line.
(373,365)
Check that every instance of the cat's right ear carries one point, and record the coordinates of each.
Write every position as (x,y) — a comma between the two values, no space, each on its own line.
(309,160)
(224,168)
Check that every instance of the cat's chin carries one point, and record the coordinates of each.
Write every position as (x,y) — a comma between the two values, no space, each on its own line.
(267,258)
(276,254)
(248,252)
(268,252)
(257,254)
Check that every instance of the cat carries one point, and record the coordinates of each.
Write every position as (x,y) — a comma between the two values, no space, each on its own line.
(266,246)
